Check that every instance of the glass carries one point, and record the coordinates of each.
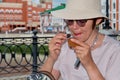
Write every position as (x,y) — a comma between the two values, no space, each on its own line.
(81,22)
(72,44)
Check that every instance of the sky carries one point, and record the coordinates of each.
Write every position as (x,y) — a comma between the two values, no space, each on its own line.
(35,1)
(55,2)
(58,2)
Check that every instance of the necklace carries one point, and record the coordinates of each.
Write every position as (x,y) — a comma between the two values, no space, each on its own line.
(94,41)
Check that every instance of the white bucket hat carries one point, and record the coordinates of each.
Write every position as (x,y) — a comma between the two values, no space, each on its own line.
(80,9)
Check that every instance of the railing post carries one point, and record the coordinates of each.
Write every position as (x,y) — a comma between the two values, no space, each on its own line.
(34,52)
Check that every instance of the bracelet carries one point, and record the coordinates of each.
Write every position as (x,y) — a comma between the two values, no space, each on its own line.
(42,75)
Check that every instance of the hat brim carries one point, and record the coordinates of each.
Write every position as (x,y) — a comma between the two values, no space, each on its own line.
(75,14)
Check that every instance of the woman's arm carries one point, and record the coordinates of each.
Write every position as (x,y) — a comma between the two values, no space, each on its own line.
(54,51)
(48,65)
(93,72)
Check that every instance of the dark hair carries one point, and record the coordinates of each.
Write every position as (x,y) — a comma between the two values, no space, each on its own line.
(94,23)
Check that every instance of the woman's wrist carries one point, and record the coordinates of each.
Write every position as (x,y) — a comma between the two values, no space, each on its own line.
(48,65)
(52,59)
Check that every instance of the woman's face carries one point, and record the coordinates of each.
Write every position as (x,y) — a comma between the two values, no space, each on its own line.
(82,32)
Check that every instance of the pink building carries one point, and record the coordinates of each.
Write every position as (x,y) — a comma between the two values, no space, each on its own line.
(21,15)
(115,14)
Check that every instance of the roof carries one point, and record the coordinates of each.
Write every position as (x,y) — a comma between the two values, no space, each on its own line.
(53,9)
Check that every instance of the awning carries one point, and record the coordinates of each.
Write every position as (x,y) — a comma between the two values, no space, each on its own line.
(53,9)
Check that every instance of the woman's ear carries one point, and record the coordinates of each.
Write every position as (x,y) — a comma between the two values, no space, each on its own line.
(99,20)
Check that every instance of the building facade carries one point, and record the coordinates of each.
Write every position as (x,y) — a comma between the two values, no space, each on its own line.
(21,15)
(114,13)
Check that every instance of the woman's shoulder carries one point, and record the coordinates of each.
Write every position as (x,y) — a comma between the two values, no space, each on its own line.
(112,43)
(111,40)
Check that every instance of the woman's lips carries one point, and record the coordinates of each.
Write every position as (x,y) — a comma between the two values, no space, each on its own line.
(77,34)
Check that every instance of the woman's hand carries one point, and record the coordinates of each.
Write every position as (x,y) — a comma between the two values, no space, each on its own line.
(83,52)
(55,45)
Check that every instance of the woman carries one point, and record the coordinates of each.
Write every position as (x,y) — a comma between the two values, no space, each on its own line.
(98,54)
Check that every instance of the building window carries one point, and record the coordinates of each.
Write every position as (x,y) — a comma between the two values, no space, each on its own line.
(29,8)
(49,6)
(114,6)
(42,1)
(114,25)
(0,1)
(114,16)
(29,15)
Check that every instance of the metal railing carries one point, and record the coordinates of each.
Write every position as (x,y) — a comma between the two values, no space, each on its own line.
(22,54)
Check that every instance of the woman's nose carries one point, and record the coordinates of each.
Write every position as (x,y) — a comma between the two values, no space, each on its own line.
(75,25)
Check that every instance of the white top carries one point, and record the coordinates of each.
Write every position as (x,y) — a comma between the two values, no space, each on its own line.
(106,57)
